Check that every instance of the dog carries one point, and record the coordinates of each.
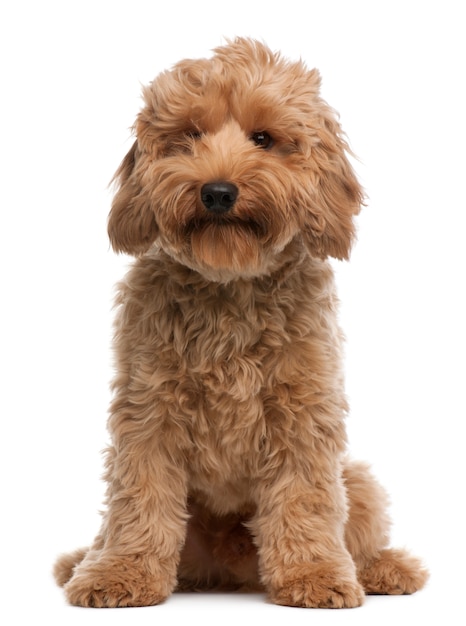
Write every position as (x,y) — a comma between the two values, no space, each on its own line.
(227,467)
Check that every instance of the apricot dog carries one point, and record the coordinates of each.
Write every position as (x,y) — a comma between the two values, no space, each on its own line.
(227,464)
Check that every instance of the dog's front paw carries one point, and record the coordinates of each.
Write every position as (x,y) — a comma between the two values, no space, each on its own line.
(319,586)
(117,582)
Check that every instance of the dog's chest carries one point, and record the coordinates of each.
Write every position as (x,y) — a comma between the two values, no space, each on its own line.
(221,347)
(219,337)
(227,370)
(225,347)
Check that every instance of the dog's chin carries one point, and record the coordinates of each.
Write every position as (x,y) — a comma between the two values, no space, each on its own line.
(227,247)
(223,251)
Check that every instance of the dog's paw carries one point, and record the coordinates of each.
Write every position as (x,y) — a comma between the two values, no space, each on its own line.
(394,572)
(116,583)
(319,587)
(65,564)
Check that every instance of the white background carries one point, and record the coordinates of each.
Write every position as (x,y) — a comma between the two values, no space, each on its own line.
(70,85)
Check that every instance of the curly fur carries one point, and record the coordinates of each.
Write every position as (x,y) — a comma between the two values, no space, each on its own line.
(227,465)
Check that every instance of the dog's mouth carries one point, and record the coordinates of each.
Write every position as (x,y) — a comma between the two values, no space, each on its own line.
(227,225)
(231,244)
(242,242)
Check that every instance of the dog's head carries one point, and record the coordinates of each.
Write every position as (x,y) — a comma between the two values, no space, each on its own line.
(235,156)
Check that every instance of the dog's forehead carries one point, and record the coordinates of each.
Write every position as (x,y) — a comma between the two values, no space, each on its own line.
(247,83)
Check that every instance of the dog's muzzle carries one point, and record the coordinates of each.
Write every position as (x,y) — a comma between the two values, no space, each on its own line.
(219,197)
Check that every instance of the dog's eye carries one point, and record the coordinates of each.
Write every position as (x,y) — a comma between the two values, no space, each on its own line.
(193,134)
(262,139)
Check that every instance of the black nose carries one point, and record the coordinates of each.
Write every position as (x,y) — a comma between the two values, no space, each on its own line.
(219,197)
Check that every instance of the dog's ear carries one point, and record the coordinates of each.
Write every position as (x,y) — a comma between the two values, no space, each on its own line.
(131,224)
(337,195)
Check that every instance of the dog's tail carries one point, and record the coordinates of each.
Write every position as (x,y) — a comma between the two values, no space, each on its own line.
(65,564)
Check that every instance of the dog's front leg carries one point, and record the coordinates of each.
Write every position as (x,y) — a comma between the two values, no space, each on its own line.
(134,559)
(299,529)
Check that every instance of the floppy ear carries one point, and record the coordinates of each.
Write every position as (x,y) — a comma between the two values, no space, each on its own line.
(337,196)
(131,224)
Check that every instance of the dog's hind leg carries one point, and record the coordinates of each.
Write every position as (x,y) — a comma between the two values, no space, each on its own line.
(393,572)
(64,566)
(380,570)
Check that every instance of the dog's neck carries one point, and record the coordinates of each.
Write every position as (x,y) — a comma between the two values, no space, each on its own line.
(275,271)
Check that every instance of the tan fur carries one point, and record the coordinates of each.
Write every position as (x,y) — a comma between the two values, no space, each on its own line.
(227,465)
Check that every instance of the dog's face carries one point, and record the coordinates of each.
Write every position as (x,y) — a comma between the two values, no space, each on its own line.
(235,156)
